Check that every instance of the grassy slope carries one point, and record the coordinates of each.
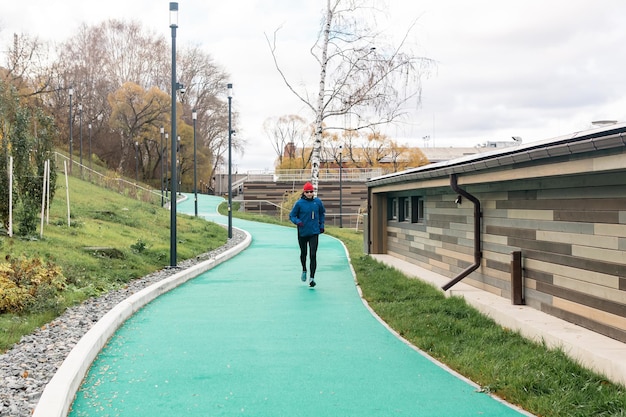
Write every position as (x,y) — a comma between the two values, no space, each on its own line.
(138,232)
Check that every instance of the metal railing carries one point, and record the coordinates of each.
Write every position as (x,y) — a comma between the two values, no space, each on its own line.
(110,181)
(296,176)
(281,212)
(328,174)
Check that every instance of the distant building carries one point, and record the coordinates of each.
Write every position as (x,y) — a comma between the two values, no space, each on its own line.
(435,155)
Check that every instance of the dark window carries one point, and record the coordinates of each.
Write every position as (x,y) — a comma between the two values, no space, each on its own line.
(405,209)
(417,209)
(401,211)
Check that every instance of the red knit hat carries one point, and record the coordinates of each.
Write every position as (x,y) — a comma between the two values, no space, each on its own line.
(307,187)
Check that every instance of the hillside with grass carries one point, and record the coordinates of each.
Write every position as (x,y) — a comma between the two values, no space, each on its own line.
(110,240)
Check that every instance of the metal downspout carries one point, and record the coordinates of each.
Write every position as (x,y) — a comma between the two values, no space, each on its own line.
(477,219)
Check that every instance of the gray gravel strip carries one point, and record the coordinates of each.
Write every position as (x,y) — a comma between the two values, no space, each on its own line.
(30,364)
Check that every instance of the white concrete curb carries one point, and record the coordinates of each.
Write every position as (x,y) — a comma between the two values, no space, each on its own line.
(59,393)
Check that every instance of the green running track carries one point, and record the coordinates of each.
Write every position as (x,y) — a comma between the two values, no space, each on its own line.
(248,338)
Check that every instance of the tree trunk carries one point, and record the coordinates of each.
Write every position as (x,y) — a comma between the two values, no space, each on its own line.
(319,116)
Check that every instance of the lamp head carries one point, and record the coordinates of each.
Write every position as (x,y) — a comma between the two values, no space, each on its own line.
(194,114)
(162,130)
(230,90)
(173,14)
(71,91)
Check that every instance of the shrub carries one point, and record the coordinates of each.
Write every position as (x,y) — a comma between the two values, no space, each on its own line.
(139,246)
(29,285)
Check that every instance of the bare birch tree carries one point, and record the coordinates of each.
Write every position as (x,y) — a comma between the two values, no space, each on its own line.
(360,74)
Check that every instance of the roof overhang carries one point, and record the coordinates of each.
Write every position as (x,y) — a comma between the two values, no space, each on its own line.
(611,137)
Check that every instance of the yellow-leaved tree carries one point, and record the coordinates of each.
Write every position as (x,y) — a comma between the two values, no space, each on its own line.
(137,114)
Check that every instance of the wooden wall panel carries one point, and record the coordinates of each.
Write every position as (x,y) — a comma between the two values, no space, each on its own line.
(571,231)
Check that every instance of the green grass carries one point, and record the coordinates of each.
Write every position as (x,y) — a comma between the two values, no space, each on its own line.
(135,235)
(545,382)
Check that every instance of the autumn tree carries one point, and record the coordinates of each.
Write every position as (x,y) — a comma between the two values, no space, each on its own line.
(99,60)
(359,72)
(136,115)
(96,62)
(373,150)
(290,136)
(411,158)
(334,149)
(397,154)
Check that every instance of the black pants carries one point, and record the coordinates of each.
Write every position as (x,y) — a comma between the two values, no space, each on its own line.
(311,242)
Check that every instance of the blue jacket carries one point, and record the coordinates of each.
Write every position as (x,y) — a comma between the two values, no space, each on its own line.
(311,213)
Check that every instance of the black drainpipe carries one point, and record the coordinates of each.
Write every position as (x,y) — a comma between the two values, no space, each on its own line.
(477,217)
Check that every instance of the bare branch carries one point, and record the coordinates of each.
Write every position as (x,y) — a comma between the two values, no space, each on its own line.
(272,46)
(360,75)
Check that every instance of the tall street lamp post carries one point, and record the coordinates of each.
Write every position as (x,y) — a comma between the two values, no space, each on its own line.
(173,26)
(340,186)
(162,130)
(194,116)
(230,162)
(71,91)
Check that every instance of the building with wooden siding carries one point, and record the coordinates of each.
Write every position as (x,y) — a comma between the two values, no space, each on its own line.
(343,192)
(559,203)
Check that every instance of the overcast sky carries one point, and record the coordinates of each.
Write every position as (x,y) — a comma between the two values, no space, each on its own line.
(535,69)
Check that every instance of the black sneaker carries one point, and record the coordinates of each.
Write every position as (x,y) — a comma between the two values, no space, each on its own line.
(312,283)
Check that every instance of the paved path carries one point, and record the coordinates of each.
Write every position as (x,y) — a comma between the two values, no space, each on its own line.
(248,338)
